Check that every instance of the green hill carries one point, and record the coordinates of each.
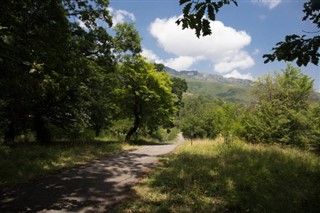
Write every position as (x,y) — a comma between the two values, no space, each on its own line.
(215,86)
(233,92)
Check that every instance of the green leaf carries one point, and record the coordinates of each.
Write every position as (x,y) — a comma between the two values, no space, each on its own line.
(187,8)
(201,12)
(211,14)
(200,5)
(206,29)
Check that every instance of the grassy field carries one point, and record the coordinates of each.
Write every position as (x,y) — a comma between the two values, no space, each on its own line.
(29,160)
(211,176)
(225,91)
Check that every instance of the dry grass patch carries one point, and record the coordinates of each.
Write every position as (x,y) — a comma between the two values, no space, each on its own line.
(211,176)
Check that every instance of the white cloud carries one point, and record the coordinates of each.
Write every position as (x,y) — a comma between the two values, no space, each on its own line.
(120,16)
(180,63)
(177,63)
(151,56)
(271,4)
(240,59)
(224,48)
(236,74)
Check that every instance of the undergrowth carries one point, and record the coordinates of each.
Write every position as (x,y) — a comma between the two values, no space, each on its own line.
(30,160)
(211,176)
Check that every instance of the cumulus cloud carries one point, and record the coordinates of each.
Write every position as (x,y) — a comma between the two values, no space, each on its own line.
(181,62)
(151,56)
(271,4)
(120,16)
(240,59)
(224,48)
(178,63)
(236,74)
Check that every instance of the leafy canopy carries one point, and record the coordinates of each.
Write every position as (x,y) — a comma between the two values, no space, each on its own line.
(145,95)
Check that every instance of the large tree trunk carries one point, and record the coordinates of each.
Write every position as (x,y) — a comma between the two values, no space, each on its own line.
(136,124)
(9,135)
(42,132)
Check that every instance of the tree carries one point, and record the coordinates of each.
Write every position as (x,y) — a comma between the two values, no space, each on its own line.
(127,39)
(144,94)
(281,112)
(196,118)
(303,49)
(179,87)
(44,77)
(225,118)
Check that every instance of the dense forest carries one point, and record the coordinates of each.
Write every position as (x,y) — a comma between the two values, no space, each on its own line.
(60,80)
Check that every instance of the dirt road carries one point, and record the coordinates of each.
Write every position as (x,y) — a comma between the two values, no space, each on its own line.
(93,187)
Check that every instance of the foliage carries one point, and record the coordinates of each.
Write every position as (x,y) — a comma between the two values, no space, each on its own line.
(144,94)
(194,14)
(226,119)
(211,176)
(314,125)
(204,118)
(196,118)
(179,87)
(295,47)
(127,39)
(300,48)
(165,135)
(30,160)
(281,112)
(45,79)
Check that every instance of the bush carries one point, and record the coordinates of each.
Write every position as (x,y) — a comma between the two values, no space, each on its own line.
(282,113)
(165,135)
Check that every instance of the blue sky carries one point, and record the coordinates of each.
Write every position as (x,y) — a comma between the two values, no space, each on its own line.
(241,35)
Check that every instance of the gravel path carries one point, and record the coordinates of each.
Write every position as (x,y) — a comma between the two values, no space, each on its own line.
(93,187)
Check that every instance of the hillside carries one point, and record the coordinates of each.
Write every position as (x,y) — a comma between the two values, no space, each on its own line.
(215,86)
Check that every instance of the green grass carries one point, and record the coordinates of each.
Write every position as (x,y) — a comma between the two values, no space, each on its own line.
(226,91)
(29,160)
(211,176)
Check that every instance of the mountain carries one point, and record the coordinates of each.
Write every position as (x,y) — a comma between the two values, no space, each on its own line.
(195,75)
(215,86)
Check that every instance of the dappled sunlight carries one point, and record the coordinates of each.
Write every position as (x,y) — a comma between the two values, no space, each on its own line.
(211,176)
(91,187)
(29,161)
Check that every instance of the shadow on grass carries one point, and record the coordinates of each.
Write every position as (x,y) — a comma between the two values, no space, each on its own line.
(30,160)
(236,178)
(89,188)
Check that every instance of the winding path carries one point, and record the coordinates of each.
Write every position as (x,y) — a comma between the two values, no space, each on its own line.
(93,187)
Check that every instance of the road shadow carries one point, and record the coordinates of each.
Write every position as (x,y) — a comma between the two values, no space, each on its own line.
(87,188)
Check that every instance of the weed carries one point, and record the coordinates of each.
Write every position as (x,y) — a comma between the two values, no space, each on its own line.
(30,160)
(211,176)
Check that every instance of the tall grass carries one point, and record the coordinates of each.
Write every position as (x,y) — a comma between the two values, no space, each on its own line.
(211,176)
(30,160)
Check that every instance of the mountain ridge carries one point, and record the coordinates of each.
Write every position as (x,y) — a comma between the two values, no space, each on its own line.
(196,75)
